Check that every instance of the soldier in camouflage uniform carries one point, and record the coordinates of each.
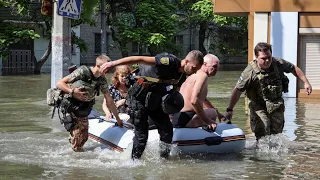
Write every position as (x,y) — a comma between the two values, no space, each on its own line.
(80,88)
(264,81)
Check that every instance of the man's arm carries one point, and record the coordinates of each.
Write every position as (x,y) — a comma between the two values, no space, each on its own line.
(135,60)
(242,85)
(76,92)
(298,73)
(62,84)
(235,96)
(208,104)
(112,107)
(106,109)
(195,101)
(128,61)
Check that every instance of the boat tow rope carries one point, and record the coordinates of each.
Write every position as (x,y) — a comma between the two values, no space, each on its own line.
(209,141)
(108,144)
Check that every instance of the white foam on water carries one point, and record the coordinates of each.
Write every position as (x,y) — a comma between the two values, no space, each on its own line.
(273,147)
(53,150)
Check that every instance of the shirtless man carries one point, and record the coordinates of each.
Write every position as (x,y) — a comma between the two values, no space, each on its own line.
(194,91)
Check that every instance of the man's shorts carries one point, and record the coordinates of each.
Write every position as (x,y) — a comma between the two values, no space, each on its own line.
(181,119)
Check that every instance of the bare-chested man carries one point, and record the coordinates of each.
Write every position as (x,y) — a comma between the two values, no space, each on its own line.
(194,91)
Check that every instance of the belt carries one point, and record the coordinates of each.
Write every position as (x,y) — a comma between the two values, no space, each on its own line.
(156,80)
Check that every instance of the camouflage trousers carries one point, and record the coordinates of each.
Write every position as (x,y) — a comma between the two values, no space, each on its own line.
(263,123)
(79,133)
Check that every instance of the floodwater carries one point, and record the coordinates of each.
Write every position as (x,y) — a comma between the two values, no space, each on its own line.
(34,146)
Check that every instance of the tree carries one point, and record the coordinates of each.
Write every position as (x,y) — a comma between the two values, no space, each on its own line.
(149,23)
(25,10)
(200,14)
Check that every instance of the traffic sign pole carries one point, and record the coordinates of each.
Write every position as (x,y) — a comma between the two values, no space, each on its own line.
(61,46)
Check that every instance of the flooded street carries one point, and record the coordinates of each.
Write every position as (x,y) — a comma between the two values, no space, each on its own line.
(34,146)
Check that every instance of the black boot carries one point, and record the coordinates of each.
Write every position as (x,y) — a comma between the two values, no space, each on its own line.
(164,149)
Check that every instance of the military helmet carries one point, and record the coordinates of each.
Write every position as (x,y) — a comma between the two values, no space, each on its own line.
(172,103)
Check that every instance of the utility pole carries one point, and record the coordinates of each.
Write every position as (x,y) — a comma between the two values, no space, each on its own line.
(61,46)
(103,28)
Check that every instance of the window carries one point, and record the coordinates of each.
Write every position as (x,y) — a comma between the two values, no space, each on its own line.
(135,47)
(144,49)
(97,43)
(179,39)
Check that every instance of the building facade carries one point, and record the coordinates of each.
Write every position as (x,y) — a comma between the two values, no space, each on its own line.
(293,29)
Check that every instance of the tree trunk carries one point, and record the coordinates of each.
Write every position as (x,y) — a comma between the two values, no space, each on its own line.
(202,36)
(38,64)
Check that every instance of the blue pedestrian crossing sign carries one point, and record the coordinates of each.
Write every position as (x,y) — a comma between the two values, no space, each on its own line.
(69,8)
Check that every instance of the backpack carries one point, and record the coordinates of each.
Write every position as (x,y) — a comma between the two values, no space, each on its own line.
(54,96)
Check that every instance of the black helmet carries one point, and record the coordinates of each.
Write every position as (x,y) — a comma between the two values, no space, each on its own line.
(172,103)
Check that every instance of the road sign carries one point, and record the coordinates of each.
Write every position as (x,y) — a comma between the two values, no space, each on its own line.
(69,8)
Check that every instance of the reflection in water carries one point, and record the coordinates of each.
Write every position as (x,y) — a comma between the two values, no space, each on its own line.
(33,146)
(290,114)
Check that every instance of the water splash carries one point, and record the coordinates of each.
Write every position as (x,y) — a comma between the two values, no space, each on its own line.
(274,147)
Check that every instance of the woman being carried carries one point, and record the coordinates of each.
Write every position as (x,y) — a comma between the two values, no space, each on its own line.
(118,90)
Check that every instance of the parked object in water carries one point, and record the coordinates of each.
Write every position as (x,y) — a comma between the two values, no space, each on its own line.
(227,138)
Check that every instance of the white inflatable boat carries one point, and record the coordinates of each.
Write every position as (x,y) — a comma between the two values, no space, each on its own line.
(227,138)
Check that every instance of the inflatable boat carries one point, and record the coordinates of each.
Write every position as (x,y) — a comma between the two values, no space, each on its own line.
(227,138)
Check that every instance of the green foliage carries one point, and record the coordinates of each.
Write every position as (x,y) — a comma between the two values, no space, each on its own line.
(88,7)
(13,34)
(157,39)
(149,22)
(203,10)
(21,6)
(80,43)
(134,66)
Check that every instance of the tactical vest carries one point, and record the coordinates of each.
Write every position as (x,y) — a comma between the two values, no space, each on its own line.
(152,83)
(149,73)
(271,87)
(270,83)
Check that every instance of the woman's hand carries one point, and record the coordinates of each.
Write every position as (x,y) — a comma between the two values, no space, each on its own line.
(108,116)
